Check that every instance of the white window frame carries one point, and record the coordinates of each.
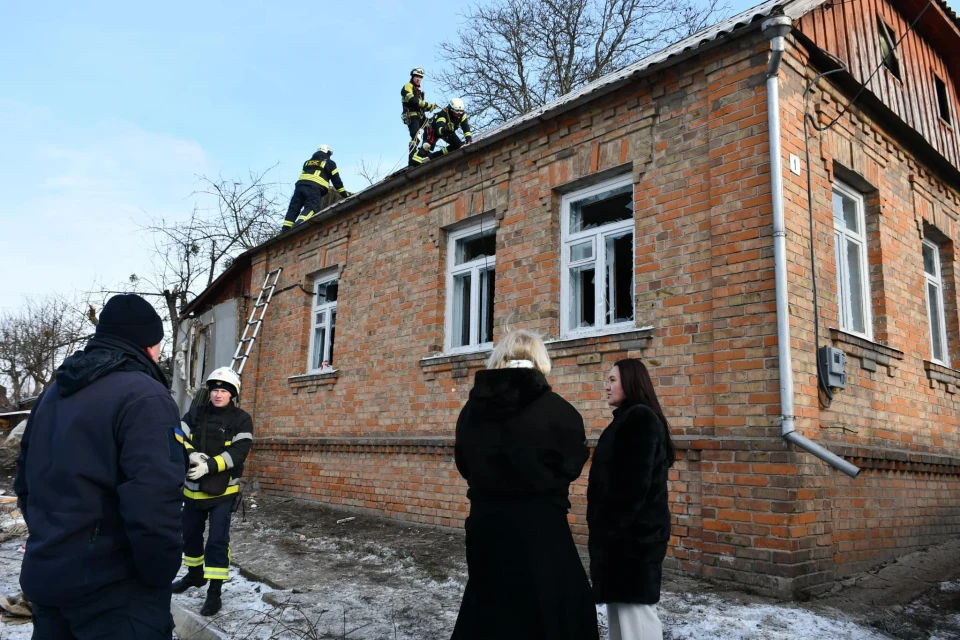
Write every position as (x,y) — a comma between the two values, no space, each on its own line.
(327,310)
(937,281)
(597,236)
(842,236)
(484,226)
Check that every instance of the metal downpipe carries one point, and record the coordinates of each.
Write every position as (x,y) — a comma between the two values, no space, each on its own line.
(776,28)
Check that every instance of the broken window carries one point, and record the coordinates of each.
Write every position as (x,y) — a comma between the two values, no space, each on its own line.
(597,288)
(471,280)
(326,289)
(943,100)
(888,48)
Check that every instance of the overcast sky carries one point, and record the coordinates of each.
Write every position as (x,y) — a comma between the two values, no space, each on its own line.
(109,111)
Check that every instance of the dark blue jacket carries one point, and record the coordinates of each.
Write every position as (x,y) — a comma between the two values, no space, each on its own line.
(99,477)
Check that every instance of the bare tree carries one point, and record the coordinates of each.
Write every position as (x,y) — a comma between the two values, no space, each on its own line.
(187,255)
(513,56)
(36,338)
(370,172)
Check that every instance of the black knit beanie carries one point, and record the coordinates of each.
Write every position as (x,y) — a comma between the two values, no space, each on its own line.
(132,318)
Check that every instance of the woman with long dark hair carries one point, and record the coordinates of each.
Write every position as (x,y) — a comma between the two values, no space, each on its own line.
(519,446)
(627,507)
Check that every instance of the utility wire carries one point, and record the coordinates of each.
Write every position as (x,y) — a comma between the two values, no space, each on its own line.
(808,118)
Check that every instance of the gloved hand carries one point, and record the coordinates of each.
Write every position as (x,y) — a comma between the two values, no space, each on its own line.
(198,471)
(196,458)
(433,107)
(346,194)
(426,146)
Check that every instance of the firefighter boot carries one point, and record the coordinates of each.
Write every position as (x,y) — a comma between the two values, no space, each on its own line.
(194,578)
(212,604)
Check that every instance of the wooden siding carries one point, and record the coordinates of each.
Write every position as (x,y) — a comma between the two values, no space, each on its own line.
(849,30)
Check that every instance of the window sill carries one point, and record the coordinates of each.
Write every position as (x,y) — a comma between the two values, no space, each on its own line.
(458,363)
(871,353)
(948,378)
(313,381)
(632,339)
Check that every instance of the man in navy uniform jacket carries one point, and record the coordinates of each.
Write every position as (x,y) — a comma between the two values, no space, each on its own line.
(99,481)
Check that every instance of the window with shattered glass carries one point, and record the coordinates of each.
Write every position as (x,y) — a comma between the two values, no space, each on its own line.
(326,288)
(471,287)
(597,261)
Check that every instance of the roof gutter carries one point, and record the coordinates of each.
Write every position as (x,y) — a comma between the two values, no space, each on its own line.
(776,29)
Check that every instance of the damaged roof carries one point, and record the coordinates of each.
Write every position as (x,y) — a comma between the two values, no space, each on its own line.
(733,26)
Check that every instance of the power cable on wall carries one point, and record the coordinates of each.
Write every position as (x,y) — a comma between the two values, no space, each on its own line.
(808,118)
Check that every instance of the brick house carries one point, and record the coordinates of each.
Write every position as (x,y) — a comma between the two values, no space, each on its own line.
(639,216)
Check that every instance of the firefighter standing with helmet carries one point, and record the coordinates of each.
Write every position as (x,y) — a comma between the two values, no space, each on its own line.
(314,183)
(217,437)
(443,126)
(415,108)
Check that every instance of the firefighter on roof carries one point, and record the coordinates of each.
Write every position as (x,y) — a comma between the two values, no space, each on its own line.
(443,126)
(415,108)
(314,183)
(217,437)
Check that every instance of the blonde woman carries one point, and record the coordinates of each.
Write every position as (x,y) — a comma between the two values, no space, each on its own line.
(519,446)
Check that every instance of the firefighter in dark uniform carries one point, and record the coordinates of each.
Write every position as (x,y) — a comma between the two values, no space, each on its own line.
(415,108)
(217,437)
(314,183)
(443,126)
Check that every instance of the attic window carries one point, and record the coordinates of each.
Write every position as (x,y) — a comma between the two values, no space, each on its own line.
(888,48)
(942,100)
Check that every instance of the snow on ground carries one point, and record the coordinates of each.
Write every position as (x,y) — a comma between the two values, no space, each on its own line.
(404,604)
(10,559)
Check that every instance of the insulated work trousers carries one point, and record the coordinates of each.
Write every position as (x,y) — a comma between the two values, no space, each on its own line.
(306,198)
(634,621)
(453,143)
(216,560)
(414,122)
(128,610)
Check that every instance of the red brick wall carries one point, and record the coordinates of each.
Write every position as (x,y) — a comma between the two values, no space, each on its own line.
(746,507)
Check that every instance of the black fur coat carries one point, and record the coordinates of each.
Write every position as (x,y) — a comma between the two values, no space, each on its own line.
(627,508)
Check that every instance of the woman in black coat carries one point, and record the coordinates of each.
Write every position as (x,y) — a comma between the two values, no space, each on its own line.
(627,510)
(519,446)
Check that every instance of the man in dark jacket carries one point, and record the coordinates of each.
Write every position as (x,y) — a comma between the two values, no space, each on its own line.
(314,183)
(98,481)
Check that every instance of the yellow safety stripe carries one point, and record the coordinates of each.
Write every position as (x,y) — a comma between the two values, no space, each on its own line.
(200,495)
(335,171)
(193,562)
(467,134)
(342,190)
(216,573)
(187,445)
(287,223)
(305,216)
(228,443)
(315,177)
(221,464)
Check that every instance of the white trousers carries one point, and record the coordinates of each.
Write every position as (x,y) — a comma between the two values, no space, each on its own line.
(634,621)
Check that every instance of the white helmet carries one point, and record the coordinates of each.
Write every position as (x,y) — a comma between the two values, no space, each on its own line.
(224,378)
(418,71)
(456,105)
(324,149)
